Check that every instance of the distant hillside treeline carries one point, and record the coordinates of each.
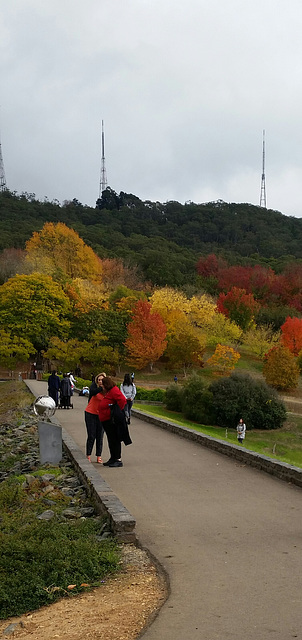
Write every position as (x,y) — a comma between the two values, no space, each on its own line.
(164,240)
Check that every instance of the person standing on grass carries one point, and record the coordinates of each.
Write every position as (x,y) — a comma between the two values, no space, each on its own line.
(95,431)
(112,396)
(128,388)
(241,429)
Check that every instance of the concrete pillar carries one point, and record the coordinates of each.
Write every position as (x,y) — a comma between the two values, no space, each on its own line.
(50,442)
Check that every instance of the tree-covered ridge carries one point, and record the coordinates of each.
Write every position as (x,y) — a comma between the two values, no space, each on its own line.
(164,239)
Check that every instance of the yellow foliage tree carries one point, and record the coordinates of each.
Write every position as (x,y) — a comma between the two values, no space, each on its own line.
(172,305)
(222,330)
(87,295)
(56,248)
(261,339)
(201,313)
(223,360)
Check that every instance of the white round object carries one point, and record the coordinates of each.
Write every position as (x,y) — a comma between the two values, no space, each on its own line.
(44,406)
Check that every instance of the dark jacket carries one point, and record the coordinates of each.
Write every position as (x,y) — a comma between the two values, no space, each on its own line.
(54,382)
(65,387)
(119,419)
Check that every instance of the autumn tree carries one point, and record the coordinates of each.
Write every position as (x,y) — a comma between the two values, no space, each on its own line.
(222,330)
(261,339)
(239,306)
(14,349)
(86,295)
(57,249)
(99,353)
(11,262)
(292,334)
(146,339)
(65,353)
(223,360)
(280,368)
(171,304)
(186,346)
(115,272)
(34,307)
(210,266)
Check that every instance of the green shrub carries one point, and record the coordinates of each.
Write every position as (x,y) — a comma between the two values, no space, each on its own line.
(173,399)
(197,401)
(240,396)
(154,395)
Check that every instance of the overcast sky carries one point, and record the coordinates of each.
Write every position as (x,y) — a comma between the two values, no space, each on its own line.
(185,89)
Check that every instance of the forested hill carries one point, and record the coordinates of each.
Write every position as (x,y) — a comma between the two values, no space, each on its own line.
(164,240)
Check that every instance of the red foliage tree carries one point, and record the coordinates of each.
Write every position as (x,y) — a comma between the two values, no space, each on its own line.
(235,276)
(239,306)
(292,335)
(146,336)
(210,266)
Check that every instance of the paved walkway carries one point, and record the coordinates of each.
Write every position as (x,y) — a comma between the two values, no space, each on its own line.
(229,536)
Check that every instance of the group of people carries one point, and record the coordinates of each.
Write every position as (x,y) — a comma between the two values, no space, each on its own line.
(109,410)
(61,390)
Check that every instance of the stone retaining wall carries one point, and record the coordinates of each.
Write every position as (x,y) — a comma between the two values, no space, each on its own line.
(105,501)
(281,470)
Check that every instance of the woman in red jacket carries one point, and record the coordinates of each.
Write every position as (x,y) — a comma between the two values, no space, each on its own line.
(112,395)
(94,427)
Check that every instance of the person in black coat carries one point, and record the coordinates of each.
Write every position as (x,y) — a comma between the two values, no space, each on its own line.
(54,386)
(65,390)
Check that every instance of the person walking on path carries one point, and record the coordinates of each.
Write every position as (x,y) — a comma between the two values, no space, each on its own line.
(128,388)
(72,381)
(54,386)
(65,391)
(112,396)
(241,429)
(95,431)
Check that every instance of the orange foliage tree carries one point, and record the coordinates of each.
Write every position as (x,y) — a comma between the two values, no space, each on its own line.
(281,369)
(292,334)
(56,248)
(146,340)
(223,360)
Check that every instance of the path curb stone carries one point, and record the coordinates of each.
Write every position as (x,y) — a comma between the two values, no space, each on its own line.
(281,470)
(104,500)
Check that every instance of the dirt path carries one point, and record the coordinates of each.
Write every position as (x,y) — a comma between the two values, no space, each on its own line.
(119,610)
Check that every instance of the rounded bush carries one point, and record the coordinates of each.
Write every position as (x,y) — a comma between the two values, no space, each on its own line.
(174,397)
(197,401)
(240,396)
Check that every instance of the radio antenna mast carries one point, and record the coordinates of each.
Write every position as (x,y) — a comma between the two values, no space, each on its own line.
(103,180)
(263,188)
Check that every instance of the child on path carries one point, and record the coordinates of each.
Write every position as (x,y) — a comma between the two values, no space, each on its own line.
(241,429)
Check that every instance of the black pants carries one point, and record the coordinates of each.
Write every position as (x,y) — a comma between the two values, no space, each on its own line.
(127,409)
(114,442)
(95,433)
(53,393)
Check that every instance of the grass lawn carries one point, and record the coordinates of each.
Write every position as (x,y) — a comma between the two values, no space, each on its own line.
(282,444)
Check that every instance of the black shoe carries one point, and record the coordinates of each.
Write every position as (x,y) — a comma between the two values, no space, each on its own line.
(115,463)
(106,464)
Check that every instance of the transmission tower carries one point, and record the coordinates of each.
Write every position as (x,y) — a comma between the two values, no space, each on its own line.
(2,172)
(263,189)
(103,180)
